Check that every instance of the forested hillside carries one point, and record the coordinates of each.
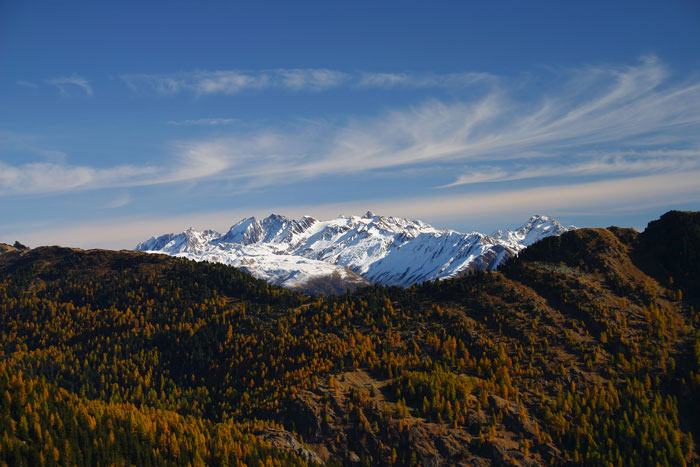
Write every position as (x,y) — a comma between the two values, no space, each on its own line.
(582,351)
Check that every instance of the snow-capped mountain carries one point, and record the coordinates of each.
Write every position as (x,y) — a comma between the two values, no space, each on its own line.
(352,250)
(537,228)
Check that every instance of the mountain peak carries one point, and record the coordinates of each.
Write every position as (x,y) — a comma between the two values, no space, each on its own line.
(536,228)
(386,250)
(245,221)
(540,221)
(276,217)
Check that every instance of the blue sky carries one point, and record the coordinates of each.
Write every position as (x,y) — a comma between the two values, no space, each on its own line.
(139,118)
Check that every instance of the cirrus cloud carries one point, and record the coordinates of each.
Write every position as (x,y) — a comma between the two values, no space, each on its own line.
(229,82)
(69,83)
(605,121)
(598,121)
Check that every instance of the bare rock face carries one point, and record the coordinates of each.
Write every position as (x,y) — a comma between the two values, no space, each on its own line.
(305,412)
(5,248)
(516,416)
(13,251)
(17,248)
(286,441)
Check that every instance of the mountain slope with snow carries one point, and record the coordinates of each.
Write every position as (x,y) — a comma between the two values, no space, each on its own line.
(537,228)
(351,250)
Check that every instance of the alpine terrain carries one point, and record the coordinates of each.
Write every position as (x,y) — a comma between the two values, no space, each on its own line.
(584,350)
(348,252)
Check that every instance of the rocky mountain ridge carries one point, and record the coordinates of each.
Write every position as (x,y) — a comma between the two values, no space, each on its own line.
(353,250)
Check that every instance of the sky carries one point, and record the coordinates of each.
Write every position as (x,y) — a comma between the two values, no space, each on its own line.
(126,120)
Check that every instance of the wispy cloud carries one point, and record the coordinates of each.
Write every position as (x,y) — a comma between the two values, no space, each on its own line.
(296,79)
(118,202)
(234,81)
(27,84)
(421,80)
(636,110)
(47,178)
(587,165)
(204,122)
(58,176)
(66,84)
(311,79)
(31,144)
(44,177)
(608,121)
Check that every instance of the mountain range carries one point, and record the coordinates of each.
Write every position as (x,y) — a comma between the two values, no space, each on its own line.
(582,350)
(348,252)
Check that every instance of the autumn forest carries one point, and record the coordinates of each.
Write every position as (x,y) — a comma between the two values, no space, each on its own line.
(583,350)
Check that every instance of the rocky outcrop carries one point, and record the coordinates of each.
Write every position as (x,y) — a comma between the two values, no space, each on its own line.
(286,441)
